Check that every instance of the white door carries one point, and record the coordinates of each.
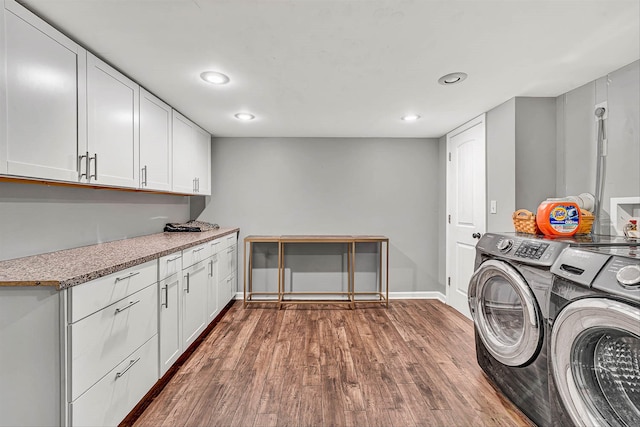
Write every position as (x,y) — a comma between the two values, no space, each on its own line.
(113,132)
(42,98)
(466,207)
(155,143)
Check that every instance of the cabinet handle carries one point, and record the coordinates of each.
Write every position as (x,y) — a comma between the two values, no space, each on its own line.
(174,258)
(230,250)
(131,304)
(187,283)
(131,363)
(211,268)
(95,166)
(144,175)
(166,297)
(86,166)
(118,279)
(198,182)
(194,185)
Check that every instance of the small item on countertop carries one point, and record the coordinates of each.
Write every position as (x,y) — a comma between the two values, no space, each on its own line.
(190,226)
(558,217)
(630,229)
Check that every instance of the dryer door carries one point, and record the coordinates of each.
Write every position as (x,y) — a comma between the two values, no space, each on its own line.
(595,360)
(505,313)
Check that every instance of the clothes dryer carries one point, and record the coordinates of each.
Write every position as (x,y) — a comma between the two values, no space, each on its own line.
(594,345)
(508,300)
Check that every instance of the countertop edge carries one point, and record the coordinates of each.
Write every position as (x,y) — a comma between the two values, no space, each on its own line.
(114,268)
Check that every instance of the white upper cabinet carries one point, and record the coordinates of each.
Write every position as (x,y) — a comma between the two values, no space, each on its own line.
(43,73)
(203,161)
(155,143)
(112,126)
(191,157)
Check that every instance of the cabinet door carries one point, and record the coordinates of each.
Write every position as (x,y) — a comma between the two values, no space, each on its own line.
(212,289)
(203,162)
(113,148)
(194,299)
(155,143)
(170,321)
(184,151)
(42,97)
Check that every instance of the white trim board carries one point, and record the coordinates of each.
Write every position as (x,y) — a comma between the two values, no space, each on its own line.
(397,295)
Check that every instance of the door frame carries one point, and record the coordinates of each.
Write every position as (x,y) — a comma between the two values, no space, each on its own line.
(479,120)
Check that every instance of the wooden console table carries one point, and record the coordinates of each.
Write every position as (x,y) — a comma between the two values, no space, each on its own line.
(381,295)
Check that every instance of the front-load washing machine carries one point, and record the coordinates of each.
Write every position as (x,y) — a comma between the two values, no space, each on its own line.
(508,300)
(594,346)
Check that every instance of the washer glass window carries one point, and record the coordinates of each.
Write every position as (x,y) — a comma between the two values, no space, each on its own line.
(502,309)
(506,313)
(606,368)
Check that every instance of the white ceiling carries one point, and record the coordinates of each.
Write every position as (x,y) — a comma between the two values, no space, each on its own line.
(347,68)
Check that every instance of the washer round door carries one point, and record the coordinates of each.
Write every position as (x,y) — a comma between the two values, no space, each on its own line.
(505,313)
(595,360)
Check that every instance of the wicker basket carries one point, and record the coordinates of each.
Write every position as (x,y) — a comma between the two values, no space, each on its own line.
(586,222)
(524,221)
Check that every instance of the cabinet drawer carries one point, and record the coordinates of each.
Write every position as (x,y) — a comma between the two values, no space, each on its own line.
(195,254)
(102,340)
(216,245)
(111,399)
(169,265)
(230,240)
(92,296)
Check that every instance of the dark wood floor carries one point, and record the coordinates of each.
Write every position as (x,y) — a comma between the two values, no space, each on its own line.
(325,365)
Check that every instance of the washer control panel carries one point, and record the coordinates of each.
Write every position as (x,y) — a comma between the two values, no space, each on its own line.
(530,250)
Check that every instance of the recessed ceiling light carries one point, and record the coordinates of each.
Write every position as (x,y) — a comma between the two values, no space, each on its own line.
(452,78)
(244,116)
(410,117)
(214,77)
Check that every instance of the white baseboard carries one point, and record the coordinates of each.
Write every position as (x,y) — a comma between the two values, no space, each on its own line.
(417,295)
(397,295)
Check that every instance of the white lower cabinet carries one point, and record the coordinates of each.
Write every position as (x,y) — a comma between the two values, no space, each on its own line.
(213,308)
(170,317)
(102,340)
(194,300)
(111,398)
(112,345)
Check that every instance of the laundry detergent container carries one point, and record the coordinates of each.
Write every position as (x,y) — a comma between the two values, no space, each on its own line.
(557,217)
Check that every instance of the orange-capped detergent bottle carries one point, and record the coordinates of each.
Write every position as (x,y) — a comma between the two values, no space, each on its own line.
(558,217)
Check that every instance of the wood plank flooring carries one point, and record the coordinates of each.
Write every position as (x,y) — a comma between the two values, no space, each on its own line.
(325,365)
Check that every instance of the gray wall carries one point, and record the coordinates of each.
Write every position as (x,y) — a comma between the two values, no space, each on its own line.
(535,151)
(501,158)
(576,137)
(335,186)
(37,218)
(521,157)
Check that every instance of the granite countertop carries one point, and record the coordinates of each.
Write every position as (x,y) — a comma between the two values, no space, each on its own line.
(70,267)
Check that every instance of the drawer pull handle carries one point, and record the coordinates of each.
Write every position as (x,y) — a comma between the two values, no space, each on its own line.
(166,297)
(198,250)
(174,258)
(118,279)
(131,363)
(229,250)
(131,304)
